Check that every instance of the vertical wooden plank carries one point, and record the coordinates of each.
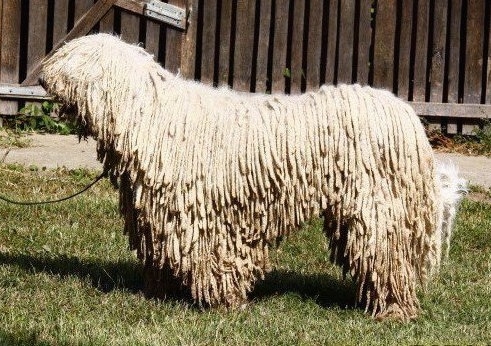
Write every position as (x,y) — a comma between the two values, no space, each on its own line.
(225,32)
(1,26)
(188,46)
(452,63)
(345,45)
(279,45)
(130,27)
(208,41)
(364,41)
(10,13)
(174,41)
(437,73)
(421,49)
(470,126)
(296,47)
(263,45)
(255,43)
(452,128)
(473,56)
(36,49)
(106,24)
(453,54)
(152,38)
(383,63)
(246,12)
(314,44)
(1,21)
(404,41)
(81,7)
(332,29)
(488,72)
(60,21)
(36,38)
(474,51)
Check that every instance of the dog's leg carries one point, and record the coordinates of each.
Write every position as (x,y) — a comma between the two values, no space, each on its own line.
(161,283)
(383,265)
(378,258)
(225,275)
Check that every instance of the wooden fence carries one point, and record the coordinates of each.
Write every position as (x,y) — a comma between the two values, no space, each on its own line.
(433,53)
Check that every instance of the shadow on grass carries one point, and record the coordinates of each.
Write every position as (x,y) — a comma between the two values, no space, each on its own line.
(104,276)
(324,289)
(21,338)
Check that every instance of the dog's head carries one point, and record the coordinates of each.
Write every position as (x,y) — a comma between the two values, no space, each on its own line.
(97,77)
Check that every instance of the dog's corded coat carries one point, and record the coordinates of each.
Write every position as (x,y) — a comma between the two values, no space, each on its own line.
(210,178)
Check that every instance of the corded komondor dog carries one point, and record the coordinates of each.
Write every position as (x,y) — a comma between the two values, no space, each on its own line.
(210,179)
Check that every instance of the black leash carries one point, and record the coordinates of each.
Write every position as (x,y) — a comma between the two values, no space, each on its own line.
(8,200)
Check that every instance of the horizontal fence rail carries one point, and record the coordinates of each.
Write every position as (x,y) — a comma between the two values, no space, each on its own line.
(434,54)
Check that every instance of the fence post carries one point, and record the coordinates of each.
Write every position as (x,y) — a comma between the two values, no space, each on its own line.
(10,14)
(188,47)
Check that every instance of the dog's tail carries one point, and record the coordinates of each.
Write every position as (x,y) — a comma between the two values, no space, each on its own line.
(451,189)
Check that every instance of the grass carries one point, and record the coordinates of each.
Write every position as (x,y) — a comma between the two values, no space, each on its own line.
(12,139)
(67,278)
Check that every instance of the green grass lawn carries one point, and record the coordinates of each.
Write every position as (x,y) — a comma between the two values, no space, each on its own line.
(67,277)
